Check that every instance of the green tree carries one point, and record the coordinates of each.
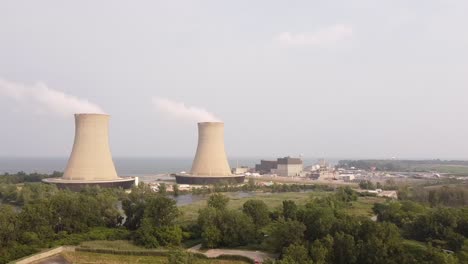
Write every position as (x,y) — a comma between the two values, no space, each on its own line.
(321,250)
(176,190)
(218,201)
(283,233)
(134,205)
(161,211)
(258,211)
(346,194)
(38,218)
(319,221)
(295,254)
(237,228)
(180,257)
(8,225)
(158,227)
(345,249)
(162,188)
(211,237)
(367,185)
(289,209)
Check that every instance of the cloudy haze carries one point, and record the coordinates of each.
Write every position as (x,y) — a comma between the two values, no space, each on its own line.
(355,78)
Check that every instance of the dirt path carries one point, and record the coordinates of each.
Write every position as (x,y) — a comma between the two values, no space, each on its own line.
(56,259)
(213,253)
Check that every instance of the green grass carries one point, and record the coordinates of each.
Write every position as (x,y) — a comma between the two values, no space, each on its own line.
(452,169)
(273,200)
(363,206)
(116,244)
(415,247)
(86,257)
(440,168)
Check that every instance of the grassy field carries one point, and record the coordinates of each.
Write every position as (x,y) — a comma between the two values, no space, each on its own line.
(86,257)
(450,169)
(116,244)
(273,200)
(362,207)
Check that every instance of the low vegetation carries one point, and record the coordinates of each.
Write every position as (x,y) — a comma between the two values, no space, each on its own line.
(454,167)
(174,258)
(302,227)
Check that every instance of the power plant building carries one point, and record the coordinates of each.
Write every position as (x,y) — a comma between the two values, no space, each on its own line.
(266,166)
(90,162)
(282,167)
(210,164)
(289,167)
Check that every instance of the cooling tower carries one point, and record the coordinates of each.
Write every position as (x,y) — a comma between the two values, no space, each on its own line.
(210,164)
(90,162)
(210,159)
(91,158)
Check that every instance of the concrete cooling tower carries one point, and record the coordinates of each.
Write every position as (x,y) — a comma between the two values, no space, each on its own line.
(210,158)
(210,164)
(90,162)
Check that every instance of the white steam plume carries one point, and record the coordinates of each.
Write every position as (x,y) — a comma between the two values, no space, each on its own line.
(180,111)
(44,98)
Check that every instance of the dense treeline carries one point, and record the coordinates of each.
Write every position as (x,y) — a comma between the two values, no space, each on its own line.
(389,184)
(318,232)
(443,227)
(51,217)
(253,186)
(22,177)
(454,196)
(152,218)
(403,165)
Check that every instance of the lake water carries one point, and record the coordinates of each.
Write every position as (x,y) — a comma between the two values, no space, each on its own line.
(124,166)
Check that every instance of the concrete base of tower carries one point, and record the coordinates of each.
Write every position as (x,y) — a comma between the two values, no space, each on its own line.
(206,180)
(77,185)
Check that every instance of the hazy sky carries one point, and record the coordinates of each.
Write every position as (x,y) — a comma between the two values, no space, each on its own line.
(357,79)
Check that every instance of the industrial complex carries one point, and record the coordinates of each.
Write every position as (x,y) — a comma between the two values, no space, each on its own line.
(91,164)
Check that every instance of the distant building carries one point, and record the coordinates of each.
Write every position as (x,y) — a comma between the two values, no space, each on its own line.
(240,170)
(388,194)
(289,166)
(347,177)
(266,166)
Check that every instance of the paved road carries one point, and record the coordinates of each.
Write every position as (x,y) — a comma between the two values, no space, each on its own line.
(213,253)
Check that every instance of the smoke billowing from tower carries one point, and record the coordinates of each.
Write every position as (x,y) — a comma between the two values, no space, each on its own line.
(41,98)
(210,159)
(181,111)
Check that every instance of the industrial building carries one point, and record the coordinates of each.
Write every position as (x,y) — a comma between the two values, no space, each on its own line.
(240,170)
(210,164)
(266,166)
(289,167)
(90,162)
(286,166)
